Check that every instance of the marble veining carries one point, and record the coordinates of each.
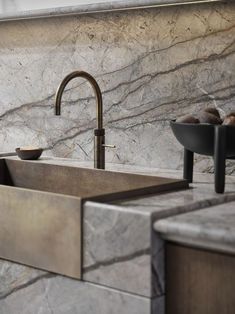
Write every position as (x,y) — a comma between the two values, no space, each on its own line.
(212,228)
(117,248)
(201,194)
(26,290)
(152,66)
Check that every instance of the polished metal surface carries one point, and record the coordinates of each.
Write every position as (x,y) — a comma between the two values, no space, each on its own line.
(41,229)
(99,142)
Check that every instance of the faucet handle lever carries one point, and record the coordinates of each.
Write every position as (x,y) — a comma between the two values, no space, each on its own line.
(109,146)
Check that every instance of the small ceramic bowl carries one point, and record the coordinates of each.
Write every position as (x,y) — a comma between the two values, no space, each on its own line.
(29,154)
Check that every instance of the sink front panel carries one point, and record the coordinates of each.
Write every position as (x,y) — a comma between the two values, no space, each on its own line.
(41,204)
(41,229)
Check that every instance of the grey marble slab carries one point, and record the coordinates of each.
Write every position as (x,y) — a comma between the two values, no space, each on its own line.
(15,12)
(201,194)
(29,291)
(212,228)
(152,66)
(141,261)
(117,248)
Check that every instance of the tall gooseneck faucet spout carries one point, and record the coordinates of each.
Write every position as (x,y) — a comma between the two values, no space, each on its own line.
(95,86)
(99,148)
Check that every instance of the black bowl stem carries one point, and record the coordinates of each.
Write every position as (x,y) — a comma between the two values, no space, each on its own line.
(188,165)
(220,158)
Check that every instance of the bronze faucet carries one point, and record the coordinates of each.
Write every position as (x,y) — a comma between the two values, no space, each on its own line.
(99,143)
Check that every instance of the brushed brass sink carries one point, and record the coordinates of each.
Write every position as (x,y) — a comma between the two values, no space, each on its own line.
(41,205)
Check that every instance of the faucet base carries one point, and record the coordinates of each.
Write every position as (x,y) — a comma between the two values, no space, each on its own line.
(99,149)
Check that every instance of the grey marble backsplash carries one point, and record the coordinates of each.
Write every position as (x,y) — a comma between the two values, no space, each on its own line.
(152,66)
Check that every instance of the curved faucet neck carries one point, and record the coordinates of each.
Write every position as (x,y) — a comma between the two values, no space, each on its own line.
(95,86)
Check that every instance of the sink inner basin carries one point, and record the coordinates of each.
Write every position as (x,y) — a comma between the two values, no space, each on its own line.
(41,209)
(82,182)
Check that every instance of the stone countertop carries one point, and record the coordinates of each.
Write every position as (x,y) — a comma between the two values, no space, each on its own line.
(90,7)
(113,257)
(212,228)
(200,195)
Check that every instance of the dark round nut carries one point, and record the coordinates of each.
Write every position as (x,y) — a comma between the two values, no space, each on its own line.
(188,119)
(229,120)
(213,111)
(231,114)
(205,117)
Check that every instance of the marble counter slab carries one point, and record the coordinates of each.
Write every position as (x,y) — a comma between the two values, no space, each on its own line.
(94,6)
(29,291)
(212,228)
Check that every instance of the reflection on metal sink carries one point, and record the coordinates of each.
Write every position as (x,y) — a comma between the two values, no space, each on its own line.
(40,213)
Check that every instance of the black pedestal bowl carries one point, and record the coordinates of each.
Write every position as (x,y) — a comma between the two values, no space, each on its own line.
(206,139)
